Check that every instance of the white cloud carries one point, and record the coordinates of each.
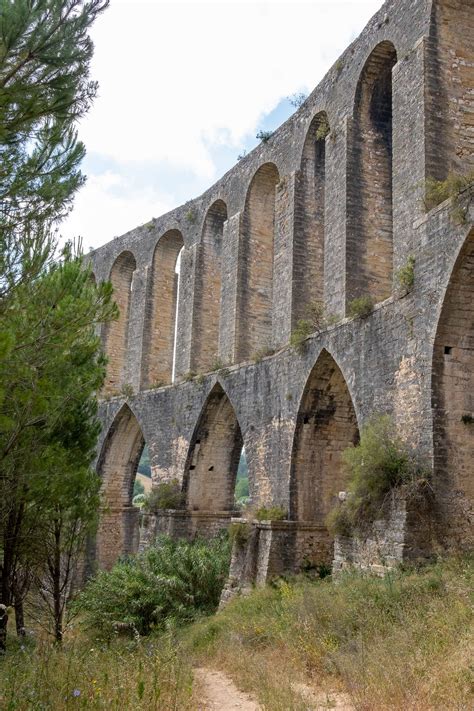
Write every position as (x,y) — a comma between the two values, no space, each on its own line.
(177,78)
(108,206)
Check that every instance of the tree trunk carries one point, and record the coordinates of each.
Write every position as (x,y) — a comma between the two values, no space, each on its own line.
(19,617)
(58,610)
(3,628)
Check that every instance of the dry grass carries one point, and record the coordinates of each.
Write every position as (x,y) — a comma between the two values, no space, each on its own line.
(403,642)
(86,675)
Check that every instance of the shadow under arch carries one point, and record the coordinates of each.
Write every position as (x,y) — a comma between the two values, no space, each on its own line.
(118,529)
(207,289)
(255,297)
(213,456)
(115,334)
(452,401)
(308,257)
(161,307)
(369,246)
(326,425)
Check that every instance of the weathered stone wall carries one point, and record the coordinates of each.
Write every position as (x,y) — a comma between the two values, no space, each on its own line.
(306,217)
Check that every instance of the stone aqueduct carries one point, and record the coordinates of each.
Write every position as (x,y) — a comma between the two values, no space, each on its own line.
(329,209)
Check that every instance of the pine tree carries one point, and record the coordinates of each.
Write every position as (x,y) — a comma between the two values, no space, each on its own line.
(51,363)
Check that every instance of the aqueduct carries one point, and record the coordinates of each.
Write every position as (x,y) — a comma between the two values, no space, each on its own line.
(328,210)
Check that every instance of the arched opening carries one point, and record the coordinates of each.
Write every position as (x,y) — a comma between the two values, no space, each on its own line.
(208,289)
(453,401)
(159,338)
(214,455)
(119,519)
(308,257)
(256,263)
(116,332)
(369,247)
(326,425)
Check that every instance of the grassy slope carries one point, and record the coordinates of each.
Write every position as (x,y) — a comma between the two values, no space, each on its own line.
(404,642)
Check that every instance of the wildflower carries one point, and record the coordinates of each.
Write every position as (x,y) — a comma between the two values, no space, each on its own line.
(76,692)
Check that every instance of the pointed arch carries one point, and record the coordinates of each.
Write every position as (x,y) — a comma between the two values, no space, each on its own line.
(256,263)
(208,289)
(369,247)
(453,399)
(160,311)
(213,458)
(117,466)
(116,332)
(308,258)
(326,425)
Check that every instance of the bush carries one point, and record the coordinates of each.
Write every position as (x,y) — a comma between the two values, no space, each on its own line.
(272,513)
(165,495)
(323,129)
(379,464)
(437,191)
(406,275)
(165,586)
(360,307)
(264,136)
(304,328)
(239,532)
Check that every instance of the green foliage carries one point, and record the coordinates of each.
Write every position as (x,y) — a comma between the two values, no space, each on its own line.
(45,54)
(437,191)
(165,495)
(189,376)
(241,155)
(191,217)
(217,365)
(339,66)
(304,328)
(271,513)
(360,307)
(297,100)
(144,463)
(138,488)
(393,643)
(323,129)
(378,465)
(239,532)
(262,353)
(81,674)
(241,489)
(406,275)
(127,390)
(264,136)
(165,586)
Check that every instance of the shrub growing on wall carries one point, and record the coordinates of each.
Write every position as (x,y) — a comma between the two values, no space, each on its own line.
(378,465)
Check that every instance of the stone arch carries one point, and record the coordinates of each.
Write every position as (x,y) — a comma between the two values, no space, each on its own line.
(453,400)
(117,466)
(326,424)
(369,246)
(256,263)
(308,257)
(160,312)
(213,458)
(116,333)
(207,290)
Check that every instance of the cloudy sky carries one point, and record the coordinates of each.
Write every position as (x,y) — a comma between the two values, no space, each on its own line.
(184,88)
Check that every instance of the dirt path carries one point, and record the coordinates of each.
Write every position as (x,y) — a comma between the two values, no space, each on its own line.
(219,693)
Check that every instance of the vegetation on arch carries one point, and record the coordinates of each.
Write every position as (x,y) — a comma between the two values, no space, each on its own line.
(378,466)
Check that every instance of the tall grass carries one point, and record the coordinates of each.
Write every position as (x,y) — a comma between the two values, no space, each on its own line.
(402,642)
(85,675)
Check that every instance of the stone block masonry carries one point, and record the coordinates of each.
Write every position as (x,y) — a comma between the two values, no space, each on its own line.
(327,210)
